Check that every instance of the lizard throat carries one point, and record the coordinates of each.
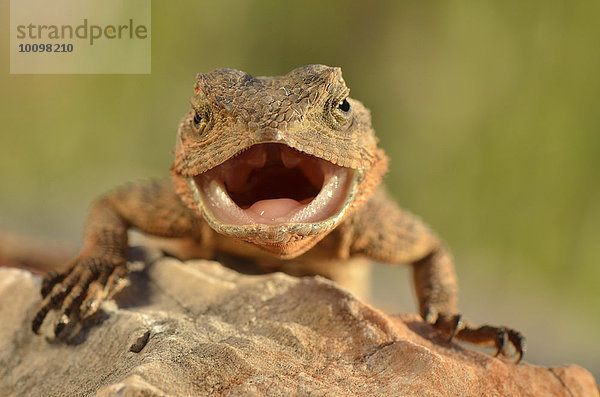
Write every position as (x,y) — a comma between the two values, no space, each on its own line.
(273,184)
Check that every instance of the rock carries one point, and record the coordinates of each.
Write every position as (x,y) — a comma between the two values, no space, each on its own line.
(198,328)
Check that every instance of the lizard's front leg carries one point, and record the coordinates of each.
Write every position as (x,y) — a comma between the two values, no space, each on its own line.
(99,271)
(386,233)
(437,293)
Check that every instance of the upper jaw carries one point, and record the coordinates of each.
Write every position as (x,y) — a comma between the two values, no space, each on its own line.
(273,194)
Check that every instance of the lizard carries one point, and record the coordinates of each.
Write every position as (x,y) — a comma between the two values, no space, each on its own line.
(285,170)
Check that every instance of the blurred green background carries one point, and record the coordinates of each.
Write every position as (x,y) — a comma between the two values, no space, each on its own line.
(490,112)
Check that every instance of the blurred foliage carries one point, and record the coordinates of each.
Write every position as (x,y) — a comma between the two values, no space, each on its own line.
(490,112)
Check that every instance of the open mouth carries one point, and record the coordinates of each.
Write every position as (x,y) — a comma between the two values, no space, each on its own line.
(271,184)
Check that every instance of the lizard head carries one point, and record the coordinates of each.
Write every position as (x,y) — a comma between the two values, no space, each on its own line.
(276,161)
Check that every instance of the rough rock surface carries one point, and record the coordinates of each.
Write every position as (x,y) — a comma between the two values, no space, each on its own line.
(198,328)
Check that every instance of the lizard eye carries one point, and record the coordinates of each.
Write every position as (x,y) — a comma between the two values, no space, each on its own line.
(200,119)
(197,119)
(344,106)
(200,115)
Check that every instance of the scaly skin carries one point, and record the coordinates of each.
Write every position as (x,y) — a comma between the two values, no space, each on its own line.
(308,110)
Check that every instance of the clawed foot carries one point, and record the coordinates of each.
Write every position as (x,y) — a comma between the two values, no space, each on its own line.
(79,290)
(456,327)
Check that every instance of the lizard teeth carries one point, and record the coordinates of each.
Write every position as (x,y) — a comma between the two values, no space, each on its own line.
(223,206)
(326,202)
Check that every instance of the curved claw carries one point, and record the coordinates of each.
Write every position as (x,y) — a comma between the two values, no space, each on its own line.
(456,326)
(519,342)
(37,321)
(61,324)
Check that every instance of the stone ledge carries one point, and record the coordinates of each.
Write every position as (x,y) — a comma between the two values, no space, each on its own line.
(198,328)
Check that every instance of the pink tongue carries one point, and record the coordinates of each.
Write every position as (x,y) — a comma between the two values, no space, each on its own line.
(270,210)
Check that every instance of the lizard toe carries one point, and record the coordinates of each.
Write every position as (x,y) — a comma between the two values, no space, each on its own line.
(50,280)
(449,324)
(71,302)
(499,339)
(53,299)
(518,341)
(498,336)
